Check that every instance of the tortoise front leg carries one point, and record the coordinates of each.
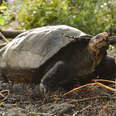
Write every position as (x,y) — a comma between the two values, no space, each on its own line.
(107,68)
(56,76)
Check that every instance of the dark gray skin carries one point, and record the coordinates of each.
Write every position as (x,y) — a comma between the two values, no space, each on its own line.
(67,67)
(107,68)
(58,59)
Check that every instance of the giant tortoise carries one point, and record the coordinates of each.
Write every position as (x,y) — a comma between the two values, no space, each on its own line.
(53,56)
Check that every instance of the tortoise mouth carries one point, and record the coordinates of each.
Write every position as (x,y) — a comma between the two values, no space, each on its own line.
(95,45)
(100,41)
(102,44)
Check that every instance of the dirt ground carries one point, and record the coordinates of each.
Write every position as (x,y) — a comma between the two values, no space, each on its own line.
(25,100)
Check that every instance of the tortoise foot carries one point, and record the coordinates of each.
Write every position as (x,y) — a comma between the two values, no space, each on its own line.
(43,88)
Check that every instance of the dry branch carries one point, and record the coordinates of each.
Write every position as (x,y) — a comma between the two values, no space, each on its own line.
(103,80)
(103,109)
(3,37)
(11,33)
(4,96)
(105,86)
(96,83)
(78,88)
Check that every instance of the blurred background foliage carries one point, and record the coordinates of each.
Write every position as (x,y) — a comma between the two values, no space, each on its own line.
(90,16)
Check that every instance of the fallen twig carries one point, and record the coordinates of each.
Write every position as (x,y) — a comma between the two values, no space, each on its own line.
(4,97)
(3,37)
(11,33)
(75,114)
(106,87)
(1,103)
(104,108)
(1,45)
(102,80)
(76,89)
(1,95)
(96,83)
(92,98)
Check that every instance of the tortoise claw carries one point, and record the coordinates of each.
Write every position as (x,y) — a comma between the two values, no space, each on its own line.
(43,88)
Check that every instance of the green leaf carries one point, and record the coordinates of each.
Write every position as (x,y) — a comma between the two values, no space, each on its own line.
(3,7)
(1,20)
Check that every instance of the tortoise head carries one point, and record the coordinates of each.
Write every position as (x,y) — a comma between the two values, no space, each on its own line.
(100,42)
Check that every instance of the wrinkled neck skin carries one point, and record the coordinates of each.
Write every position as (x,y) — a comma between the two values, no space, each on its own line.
(85,59)
(96,53)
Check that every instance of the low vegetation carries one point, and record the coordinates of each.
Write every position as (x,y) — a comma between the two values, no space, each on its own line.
(90,16)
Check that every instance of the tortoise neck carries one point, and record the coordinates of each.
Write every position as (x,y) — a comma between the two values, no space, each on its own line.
(96,54)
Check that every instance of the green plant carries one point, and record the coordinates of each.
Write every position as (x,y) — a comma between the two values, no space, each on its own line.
(44,12)
(90,16)
(6,16)
(2,19)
